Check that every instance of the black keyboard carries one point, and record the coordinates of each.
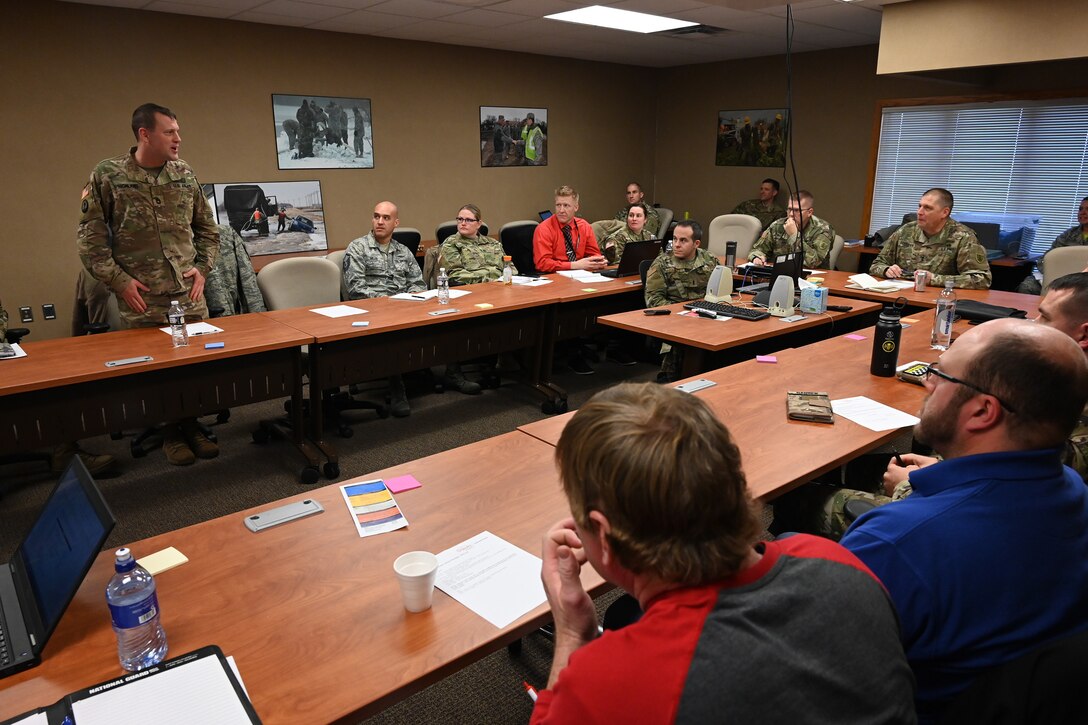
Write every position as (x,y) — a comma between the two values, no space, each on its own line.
(724,310)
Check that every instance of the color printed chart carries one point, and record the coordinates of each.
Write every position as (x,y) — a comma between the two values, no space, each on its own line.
(372,507)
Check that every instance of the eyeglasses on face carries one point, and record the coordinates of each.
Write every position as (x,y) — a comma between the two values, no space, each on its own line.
(932,369)
(466,220)
(795,210)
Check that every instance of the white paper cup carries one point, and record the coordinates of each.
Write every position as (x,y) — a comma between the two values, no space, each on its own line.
(415,572)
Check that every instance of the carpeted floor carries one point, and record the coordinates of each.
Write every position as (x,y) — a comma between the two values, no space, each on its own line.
(150,497)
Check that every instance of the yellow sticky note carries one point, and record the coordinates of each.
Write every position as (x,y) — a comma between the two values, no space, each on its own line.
(485,305)
(163,560)
(589,289)
(911,320)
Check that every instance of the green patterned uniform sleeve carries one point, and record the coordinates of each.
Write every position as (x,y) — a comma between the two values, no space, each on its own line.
(1076,448)
(656,283)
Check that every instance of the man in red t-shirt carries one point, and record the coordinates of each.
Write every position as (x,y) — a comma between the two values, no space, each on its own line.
(732,629)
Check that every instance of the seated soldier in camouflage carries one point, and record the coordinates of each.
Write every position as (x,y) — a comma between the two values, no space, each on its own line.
(376,265)
(781,237)
(766,207)
(469,257)
(937,243)
(635,195)
(679,277)
(633,231)
(1065,308)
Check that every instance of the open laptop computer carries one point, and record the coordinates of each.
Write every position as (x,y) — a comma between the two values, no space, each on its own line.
(634,254)
(38,584)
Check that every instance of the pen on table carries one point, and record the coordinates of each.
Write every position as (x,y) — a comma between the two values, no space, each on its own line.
(529,690)
(417,297)
(898,459)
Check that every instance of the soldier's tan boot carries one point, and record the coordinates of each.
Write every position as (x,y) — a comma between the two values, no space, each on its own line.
(175,447)
(199,443)
(96,464)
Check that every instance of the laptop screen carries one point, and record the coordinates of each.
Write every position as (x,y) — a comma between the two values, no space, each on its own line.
(63,543)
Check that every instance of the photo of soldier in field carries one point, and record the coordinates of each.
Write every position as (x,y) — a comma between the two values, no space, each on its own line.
(751,138)
(513,136)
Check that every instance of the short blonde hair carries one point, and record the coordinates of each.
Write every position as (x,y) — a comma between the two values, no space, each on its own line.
(566,190)
(667,475)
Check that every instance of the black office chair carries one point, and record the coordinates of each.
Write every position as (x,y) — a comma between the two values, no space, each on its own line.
(409,237)
(1042,687)
(643,270)
(517,243)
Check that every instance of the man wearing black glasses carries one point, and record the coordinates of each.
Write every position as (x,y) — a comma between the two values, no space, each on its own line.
(801,227)
(988,559)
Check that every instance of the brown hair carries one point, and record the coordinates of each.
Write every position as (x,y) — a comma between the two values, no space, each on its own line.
(566,190)
(667,475)
(475,211)
(144,117)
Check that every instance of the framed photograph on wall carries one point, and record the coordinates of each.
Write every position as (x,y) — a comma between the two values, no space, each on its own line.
(511,136)
(272,217)
(323,132)
(752,138)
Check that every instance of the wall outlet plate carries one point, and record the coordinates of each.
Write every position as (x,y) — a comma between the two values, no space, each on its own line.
(26,314)
(49,312)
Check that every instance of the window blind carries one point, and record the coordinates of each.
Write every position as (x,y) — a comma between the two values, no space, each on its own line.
(1015,157)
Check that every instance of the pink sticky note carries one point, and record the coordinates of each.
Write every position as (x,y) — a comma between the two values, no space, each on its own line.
(766,358)
(855,337)
(402,483)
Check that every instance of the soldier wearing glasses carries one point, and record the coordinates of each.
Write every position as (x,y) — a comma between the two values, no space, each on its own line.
(785,235)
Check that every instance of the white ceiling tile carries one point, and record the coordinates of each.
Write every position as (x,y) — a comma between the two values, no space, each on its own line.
(347,4)
(111,3)
(536,8)
(668,8)
(364,22)
(421,9)
(487,18)
(290,9)
(186,8)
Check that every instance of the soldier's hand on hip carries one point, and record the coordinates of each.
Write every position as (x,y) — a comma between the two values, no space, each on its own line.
(198,283)
(131,295)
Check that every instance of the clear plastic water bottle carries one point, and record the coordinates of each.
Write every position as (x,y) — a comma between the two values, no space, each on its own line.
(507,271)
(443,287)
(134,609)
(942,321)
(178,332)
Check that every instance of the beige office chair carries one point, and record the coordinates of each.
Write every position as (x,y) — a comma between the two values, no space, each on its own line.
(666,219)
(739,228)
(308,282)
(1062,261)
(337,258)
(836,249)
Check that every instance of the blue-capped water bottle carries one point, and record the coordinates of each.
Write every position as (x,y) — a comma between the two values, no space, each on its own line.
(134,609)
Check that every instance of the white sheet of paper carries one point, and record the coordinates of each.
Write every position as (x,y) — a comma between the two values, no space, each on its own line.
(492,577)
(871,414)
(338,311)
(869,282)
(429,295)
(38,718)
(196,692)
(530,281)
(19,352)
(196,328)
(581,275)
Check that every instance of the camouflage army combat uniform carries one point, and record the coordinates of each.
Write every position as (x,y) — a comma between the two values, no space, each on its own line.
(818,239)
(953,254)
(754,207)
(3,323)
(137,224)
(613,244)
(231,288)
(469,260)
(370,271)
(653,219)
(1072,237)
(677,280)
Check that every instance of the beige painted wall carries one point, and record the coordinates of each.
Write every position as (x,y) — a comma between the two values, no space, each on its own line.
(835,97)
(73,73)
(932,34)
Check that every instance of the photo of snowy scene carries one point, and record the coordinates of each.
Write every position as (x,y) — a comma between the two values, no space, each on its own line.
(323,132)
(273,217)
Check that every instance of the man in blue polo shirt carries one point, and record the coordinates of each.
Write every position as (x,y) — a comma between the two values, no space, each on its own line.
(988,559)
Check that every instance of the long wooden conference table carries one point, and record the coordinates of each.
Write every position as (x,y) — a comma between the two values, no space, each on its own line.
(312,612)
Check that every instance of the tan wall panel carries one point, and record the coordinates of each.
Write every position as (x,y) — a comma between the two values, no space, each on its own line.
(75,72)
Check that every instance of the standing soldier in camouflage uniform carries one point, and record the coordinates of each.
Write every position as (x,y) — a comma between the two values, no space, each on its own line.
(379,266)
(781,236)
(679,277)
(147,231)
(634,230)
(766,208)
(937,243)
(231,288)
(635,195)
(469,258)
